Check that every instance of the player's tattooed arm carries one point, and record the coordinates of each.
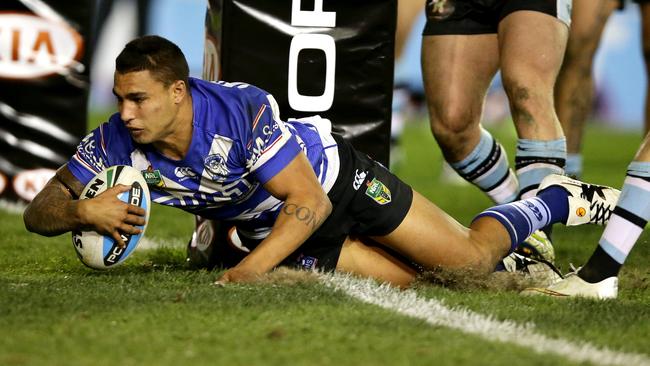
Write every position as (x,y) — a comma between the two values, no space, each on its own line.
(306,207)
(56,210)
(303,214)
(53,210)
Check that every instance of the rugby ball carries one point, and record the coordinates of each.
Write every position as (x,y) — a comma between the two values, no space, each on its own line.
(102,252)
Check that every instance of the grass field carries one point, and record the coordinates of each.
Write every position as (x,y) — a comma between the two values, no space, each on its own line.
(155,311)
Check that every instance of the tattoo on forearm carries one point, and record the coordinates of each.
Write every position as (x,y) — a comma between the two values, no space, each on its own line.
(302,213)
(50,213)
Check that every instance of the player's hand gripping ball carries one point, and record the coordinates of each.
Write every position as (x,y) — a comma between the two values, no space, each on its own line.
(100,251)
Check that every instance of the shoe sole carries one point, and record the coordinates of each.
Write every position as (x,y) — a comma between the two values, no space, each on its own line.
(534,291)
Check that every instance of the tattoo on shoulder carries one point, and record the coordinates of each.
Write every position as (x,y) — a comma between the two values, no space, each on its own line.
(302,213)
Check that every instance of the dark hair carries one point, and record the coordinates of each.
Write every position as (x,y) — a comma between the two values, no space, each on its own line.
(161,57)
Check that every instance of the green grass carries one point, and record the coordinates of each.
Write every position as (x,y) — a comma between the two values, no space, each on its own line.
(155,311)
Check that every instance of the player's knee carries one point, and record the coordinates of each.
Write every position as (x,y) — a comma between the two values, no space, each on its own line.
(487,254)
(453,124)
(528,96)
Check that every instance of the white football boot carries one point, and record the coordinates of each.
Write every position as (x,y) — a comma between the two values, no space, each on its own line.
(539,272)
(588,203)
(537,246)
(574,286)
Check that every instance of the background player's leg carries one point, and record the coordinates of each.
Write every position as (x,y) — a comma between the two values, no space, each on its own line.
(574,89)
(627,223)
(531,50)
(645,32)
(457,71)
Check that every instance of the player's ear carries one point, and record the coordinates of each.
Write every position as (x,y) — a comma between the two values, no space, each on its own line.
(179,90)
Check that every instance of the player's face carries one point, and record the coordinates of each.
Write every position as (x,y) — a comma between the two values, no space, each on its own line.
(147,107)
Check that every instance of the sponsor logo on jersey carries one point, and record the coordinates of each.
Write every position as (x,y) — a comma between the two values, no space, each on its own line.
(359,176)
(378,191)
(184,172)
(215,165)
(33,47)
(153,177)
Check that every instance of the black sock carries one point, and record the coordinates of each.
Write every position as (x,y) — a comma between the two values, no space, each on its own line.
(599,267)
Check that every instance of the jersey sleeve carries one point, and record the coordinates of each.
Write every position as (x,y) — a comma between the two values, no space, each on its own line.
(91,157)
(272,145)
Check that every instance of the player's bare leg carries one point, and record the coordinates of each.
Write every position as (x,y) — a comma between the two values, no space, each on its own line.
(432,238)
(457,71)
(598,278)
(645,31)
(407,12)
(530,62)
(367,260)
(574,89)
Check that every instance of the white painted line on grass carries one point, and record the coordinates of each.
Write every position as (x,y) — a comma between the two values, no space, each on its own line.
(147,243)
(434,312)
(407,302)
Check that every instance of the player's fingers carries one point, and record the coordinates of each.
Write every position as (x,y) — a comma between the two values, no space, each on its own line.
(134,220)
(137,210)
(130,229)
(118,239)
(222,280)
(119,188)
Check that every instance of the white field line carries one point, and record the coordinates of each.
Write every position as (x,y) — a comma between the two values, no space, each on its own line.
(407,302)
(434,312)
(147,243)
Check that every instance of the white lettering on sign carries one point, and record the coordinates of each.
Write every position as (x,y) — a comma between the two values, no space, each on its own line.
(308,40)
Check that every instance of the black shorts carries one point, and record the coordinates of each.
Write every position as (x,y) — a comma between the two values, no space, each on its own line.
(367,200)
(446,17)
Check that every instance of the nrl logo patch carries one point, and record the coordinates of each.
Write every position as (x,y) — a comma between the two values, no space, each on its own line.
(153,177)
(215,165)
(378,191)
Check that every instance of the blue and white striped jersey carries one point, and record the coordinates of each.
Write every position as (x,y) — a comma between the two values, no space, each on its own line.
(238,144)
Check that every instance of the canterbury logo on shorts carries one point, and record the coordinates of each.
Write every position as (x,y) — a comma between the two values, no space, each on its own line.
(359,177)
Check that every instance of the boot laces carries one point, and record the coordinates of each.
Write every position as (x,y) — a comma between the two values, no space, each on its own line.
(600,211)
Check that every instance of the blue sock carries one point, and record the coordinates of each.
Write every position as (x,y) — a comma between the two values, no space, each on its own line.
(557,200)
(522,218)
